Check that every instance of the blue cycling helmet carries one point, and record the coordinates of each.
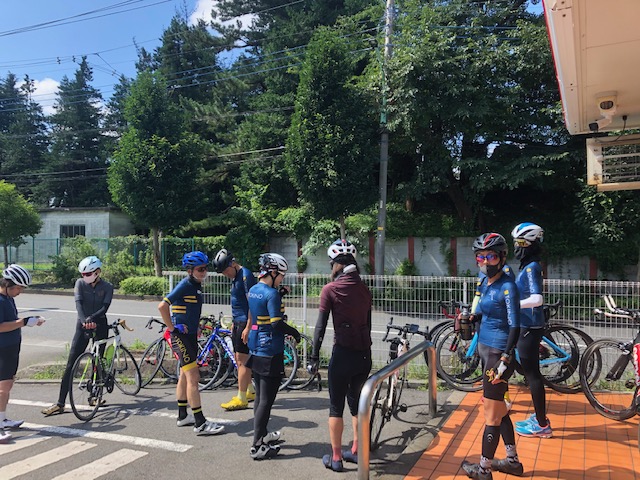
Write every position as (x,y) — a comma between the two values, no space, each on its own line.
(194,259)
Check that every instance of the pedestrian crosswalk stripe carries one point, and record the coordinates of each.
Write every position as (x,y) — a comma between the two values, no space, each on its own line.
(20,443)
(35,462)
(103,465)
(113,437)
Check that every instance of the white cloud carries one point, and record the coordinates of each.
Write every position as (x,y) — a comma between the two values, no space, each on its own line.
(203,11)
(45,93)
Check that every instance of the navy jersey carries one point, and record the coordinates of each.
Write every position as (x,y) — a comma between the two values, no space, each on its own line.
(186,304)
(481,277)
(266,309)
(240,287)
(529,283)
(9,313)
(500,307)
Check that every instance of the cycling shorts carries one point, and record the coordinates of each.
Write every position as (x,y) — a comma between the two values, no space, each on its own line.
(185,347)
(9,361)
(490,357)
(236,335)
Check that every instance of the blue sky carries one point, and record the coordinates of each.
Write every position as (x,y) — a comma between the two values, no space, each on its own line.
(48,54)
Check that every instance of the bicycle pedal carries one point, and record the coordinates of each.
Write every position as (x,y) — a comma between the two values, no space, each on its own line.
(402,407)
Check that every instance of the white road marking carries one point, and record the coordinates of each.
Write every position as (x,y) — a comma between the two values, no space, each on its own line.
(143,412)
(113,437)
(103,465)
(23,442)
(59,310)
(35,462)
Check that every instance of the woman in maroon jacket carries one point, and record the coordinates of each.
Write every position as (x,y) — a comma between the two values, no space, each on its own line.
(348,300)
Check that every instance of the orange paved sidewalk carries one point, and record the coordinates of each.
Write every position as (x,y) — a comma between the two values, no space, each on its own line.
(584,446)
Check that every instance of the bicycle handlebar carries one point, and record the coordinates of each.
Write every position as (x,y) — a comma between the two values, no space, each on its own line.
(409,328)
(153,320)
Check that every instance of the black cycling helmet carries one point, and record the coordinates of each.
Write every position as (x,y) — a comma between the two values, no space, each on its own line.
(490,241)
(223,260)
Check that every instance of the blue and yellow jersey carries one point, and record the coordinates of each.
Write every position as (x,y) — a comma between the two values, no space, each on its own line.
(266,309)
(500,307)
(240,287)
(186,303)
(529,283)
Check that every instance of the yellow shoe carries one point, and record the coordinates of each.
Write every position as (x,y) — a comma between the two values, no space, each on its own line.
(251,396)
(235,404)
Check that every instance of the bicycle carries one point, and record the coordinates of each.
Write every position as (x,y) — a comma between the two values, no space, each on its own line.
(157,357)
(303,377)
(609,369)
(107,364)
(460,367)
(385,401)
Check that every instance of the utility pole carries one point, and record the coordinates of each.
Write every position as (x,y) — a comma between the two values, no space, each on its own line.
(384,143)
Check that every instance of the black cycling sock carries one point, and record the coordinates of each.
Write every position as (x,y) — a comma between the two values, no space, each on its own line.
(199,416)
(490,441)
(182,409)
(506,430)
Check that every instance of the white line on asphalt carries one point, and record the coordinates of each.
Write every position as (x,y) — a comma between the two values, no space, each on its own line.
(58,310)
(113,437)
(22,442)
(103,465)
(35,462)
(143,412)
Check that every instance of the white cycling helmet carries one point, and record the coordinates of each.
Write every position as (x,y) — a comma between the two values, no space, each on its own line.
(341,247)
(528,231)
(269,262)
(17,275)
(89,264)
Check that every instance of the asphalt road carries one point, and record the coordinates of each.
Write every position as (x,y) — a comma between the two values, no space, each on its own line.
(141,434)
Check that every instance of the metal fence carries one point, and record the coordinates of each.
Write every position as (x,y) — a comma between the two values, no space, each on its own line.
(415,300)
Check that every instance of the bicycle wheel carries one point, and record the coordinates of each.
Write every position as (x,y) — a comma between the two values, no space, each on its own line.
(560,352)
(290,363)
(226,367)
(211,366)
(85,389)
(461,370)
(150,362)
(169,365)
(397,391)
(303,378)
(126,373)
(437,333)
(380,412)
(608,379)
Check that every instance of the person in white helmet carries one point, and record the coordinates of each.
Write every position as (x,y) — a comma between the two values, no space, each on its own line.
(14,280)
(93,297)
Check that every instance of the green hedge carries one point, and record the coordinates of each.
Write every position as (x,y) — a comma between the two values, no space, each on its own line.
(143,286)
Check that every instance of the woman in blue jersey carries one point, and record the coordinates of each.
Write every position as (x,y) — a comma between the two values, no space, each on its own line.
(527,240)
(266,347)
(499,329)
(241,282)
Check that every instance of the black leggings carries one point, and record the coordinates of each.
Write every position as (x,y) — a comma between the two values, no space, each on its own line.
(529,353)
(266,391)
(348,370)
(78,346)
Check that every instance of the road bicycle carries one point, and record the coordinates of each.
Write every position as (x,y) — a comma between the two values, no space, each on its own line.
(216,357)
(157,358)
(304,377)
(460,367)
(610,370)
(385,401)
(108,363)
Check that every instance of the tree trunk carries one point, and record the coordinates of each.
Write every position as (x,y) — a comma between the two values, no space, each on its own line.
(343,228)
(464,210)
(157,264)
(6,255)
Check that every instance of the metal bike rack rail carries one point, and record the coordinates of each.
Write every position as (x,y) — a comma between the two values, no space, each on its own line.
(364,406)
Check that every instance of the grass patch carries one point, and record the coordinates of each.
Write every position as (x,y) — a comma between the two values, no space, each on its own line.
(49,372)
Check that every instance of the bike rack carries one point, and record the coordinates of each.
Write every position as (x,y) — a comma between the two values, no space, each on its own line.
(369,387)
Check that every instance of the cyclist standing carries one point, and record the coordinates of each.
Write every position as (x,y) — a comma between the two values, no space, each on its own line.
(499,329)
(349,301)
(241,281)
(527,240)
(266,346)
(180,311)
(93,297)
(14,280)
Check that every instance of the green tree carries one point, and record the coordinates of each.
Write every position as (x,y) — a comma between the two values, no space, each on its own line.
(78,154)
(156,169)
(331,150)
(18,218)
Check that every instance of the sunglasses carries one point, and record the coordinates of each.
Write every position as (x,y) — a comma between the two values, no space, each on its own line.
(201,269)
(489,257)
(88,274)
(521,242)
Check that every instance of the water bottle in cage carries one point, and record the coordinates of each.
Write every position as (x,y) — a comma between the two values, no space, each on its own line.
(229,342)
(395,347)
